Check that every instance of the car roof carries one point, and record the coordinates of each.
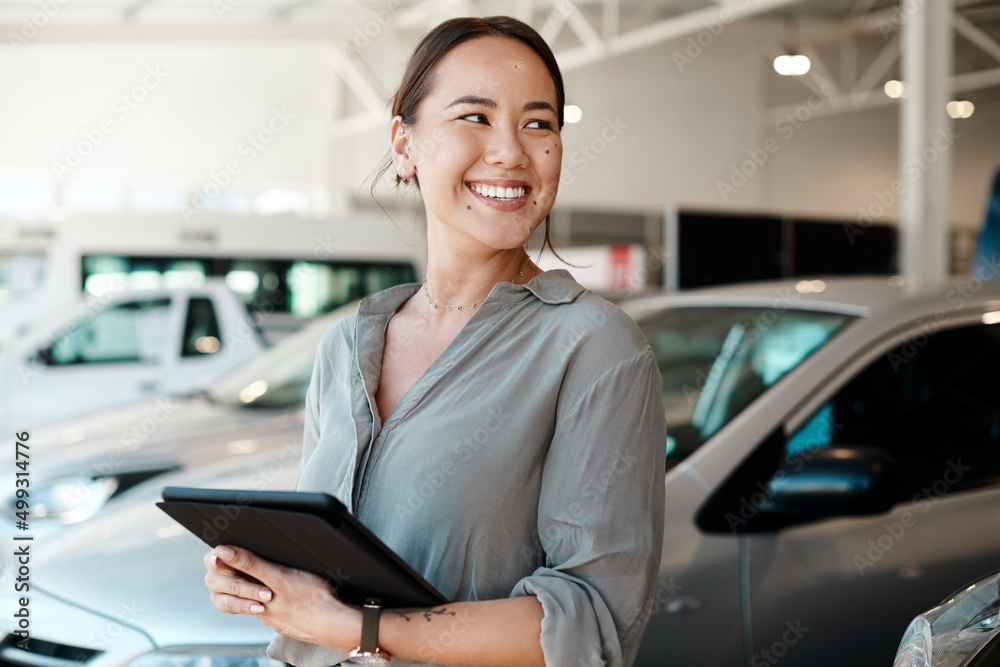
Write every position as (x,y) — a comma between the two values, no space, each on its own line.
(856,295)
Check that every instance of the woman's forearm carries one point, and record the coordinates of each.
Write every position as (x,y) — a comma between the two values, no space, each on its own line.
(487,633)
(302,606)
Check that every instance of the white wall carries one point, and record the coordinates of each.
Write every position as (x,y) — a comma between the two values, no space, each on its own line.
(681,129)
(176,127)
(837,165)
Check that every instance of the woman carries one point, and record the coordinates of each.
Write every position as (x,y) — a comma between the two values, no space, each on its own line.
(499,427)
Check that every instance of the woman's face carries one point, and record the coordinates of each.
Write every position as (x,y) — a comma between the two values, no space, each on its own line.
(487,129)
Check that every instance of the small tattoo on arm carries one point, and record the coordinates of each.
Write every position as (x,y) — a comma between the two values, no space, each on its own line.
(426,613)
(436,612)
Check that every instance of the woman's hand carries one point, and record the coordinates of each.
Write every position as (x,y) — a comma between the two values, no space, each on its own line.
(295,603)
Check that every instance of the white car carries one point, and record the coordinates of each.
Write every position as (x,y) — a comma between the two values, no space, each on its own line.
(123,348)
(76,467)
(832,470)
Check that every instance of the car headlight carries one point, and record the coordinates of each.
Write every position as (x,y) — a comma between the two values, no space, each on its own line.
(68,500)
(207,656)
(915,649)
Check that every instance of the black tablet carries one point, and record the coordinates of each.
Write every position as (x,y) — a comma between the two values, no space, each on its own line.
(307,531)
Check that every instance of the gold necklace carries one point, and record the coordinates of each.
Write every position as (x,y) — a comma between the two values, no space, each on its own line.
(520,274)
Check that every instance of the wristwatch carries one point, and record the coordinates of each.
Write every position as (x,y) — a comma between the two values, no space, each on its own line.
(368,652)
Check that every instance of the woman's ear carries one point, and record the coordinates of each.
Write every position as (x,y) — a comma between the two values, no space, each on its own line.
(399,148)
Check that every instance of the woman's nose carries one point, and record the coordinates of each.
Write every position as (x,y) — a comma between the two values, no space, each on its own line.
(505,148)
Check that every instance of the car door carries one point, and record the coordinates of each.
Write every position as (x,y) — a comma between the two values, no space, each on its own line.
(843,589)
(110,357)
(715,361)
(202,351)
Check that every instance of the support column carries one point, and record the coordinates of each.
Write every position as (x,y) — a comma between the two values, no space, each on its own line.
(925,140)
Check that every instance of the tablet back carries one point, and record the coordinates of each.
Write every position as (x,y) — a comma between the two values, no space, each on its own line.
(307,531)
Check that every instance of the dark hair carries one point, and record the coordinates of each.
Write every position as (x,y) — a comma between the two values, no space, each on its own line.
(418,79)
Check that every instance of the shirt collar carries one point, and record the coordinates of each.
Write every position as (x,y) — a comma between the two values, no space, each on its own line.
(553,287)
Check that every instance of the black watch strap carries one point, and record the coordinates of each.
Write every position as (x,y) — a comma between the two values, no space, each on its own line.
(369,624)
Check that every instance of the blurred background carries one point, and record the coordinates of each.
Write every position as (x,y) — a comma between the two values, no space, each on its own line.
(797,200)
(194,129)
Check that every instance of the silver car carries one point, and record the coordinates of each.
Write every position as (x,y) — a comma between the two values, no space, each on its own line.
(962,631)
(832,463)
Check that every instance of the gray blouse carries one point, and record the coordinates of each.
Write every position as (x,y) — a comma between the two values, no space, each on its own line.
(528,459)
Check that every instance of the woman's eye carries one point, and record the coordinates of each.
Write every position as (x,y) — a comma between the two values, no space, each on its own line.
(541,124)
(475,115)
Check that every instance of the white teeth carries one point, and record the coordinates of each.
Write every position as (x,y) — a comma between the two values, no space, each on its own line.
(498,193)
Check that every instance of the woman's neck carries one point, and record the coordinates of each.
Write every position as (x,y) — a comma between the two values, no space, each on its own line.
(454,281)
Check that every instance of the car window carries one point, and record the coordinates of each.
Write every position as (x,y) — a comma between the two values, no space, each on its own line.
(933,403)
(715,361)
(278,377)
(201,329)
(128,332)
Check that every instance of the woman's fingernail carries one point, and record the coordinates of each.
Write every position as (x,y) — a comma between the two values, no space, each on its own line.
(265,595)
(225,552)
(213,559)
(256,608)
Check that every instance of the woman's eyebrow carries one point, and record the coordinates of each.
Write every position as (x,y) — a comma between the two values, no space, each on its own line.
(540,105)
(474,99)
(492,104)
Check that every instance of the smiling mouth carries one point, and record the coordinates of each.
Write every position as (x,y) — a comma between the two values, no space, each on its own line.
(499,194)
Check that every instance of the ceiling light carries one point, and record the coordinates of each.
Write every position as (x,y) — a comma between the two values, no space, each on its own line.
(791,65)
(894,89)
(572,113)
(961,109)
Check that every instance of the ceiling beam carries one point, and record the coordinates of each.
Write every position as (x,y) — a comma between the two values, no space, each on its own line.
(610,15)
(666,30)
(579,24)
(359,80)
(554,22)
(213,31)
(860,101)
(818,72)
(965,28)
(887,21)
(878,69)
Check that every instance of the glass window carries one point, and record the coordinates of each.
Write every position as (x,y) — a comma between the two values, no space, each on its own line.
(715,361)
(933,403)
(129,332)
(21,274)
(299,287)
(320,287)
(201,330)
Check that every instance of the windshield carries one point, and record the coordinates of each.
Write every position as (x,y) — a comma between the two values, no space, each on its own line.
(716,360)
(280,375)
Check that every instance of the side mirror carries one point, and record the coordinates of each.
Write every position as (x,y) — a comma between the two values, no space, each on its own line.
(43,356)
(839,481)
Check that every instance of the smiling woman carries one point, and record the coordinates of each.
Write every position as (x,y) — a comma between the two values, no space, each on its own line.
(499,427)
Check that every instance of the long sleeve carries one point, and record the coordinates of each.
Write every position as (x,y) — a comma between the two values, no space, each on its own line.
(600,518)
